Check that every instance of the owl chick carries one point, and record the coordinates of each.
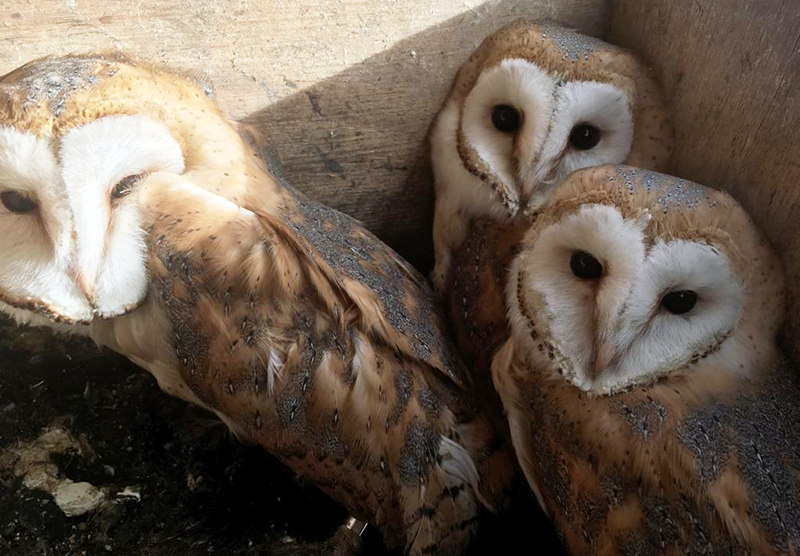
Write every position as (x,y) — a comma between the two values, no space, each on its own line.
(533,103)
(647,401)
(135,212)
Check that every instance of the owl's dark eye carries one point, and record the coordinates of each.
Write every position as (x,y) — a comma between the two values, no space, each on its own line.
(584,137)
(679,302)
(124,186)
(585,266)
(16,202)
(506,118)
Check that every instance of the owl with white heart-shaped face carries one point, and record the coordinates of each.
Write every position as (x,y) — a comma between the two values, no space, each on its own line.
(646,398)
(134,211)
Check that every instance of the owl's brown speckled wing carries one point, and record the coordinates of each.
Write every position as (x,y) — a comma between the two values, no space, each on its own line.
(475,293)
(354,257)
(308,336)
(357,260)
(661,469)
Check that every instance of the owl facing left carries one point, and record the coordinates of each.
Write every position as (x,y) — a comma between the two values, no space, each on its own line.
(647,401)
(535,102)
(133,211)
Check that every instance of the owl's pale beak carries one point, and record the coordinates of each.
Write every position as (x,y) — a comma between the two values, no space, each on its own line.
(90,249)
(603,354)
(603,348)
(534,188)
(87,286)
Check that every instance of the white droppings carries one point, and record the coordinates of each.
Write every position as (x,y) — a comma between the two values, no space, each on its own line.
(76,499)
(31,461)
(130,494)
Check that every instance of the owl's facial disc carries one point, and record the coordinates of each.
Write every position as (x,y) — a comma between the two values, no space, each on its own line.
(102,163)
(523,131)
(592,124)
(610,313)
(681,309)
(36,284)
(504,123)
(571,284)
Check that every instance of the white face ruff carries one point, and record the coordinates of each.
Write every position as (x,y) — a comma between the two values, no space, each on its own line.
(80,252)
(530,162)
(620,315)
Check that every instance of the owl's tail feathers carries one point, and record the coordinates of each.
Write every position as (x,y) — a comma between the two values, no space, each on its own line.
(495,461)
(447,508)
(442,512)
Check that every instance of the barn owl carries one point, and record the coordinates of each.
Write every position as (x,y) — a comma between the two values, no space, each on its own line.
(647,401)
(532,104)
(135,212)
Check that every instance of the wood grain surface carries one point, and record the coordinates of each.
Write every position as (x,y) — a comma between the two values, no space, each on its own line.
(344,89)
(732,72)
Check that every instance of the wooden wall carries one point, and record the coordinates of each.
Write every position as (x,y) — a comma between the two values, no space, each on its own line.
(732,71)
(345,89)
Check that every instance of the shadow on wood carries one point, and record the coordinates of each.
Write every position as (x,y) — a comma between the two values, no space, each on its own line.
(357,141)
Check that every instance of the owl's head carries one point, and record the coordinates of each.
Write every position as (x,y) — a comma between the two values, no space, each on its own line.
(534,103)
(78,136)
(630,277)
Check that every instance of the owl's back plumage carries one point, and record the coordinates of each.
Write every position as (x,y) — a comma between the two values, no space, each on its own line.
(661,470)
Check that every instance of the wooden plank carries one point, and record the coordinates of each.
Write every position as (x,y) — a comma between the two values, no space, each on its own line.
(732,71)
(345,89)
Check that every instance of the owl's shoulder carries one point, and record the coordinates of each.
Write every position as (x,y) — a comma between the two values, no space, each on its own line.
(364,266)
